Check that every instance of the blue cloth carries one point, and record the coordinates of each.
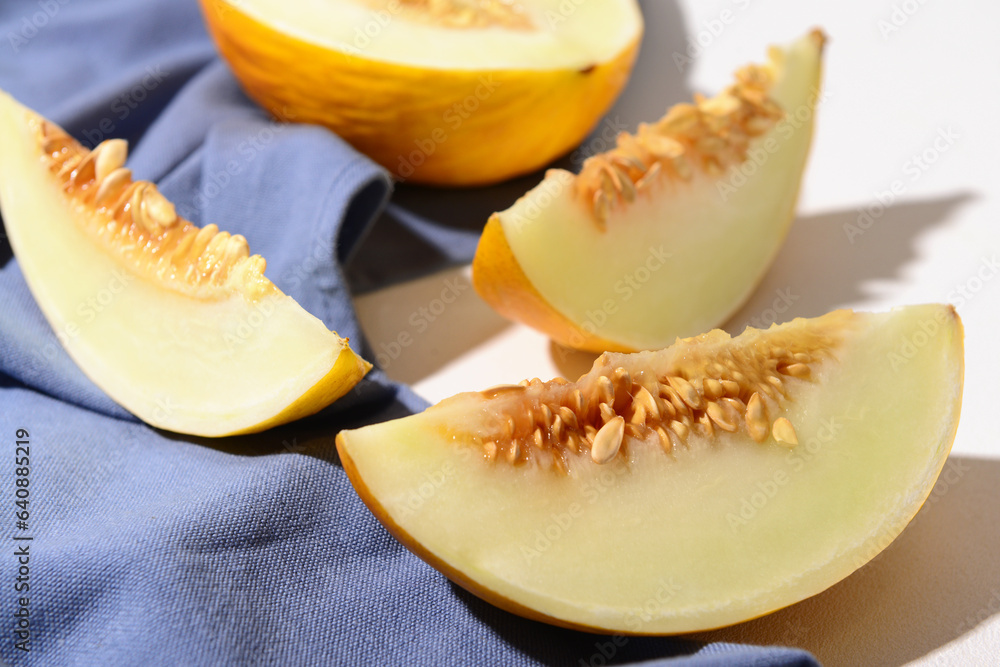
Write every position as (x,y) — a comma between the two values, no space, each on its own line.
(156,549)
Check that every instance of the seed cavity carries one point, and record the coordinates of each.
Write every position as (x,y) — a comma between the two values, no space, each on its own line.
(138,224)
(704,393)
(464,14)
(710,136)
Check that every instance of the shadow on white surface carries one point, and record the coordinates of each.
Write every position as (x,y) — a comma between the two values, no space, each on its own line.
(829,261)
(656,82)
(417,328)
(936,583)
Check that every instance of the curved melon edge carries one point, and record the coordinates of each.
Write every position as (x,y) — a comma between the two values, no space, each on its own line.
(347,371)
(896,526)
(453,574)
(457,156)
(499,48)
(487,594)
(514,296)
(342,367)
(499,279)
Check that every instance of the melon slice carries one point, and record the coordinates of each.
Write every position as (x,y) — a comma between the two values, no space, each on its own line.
(667,234)
(177,324)
(685,489)
(447,92)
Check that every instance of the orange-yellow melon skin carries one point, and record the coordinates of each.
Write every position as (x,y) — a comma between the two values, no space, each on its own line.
(438,127)
(498,278)
(347,371)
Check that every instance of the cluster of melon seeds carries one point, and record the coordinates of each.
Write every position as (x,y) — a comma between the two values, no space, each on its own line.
(709,135)
(137,223)
(463,14)
(700,386)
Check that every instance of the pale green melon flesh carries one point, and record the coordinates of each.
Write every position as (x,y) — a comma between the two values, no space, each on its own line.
(563,35)
(207,367)
(686,255)
(721,532)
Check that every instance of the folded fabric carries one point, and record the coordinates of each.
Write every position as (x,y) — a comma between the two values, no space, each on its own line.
(158,549)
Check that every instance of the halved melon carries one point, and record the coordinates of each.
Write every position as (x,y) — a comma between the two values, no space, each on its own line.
(177,324)
(447,92)
(668,233)
(679,490)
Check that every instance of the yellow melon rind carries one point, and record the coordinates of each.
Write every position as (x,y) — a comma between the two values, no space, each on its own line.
(499,280)
(405,117)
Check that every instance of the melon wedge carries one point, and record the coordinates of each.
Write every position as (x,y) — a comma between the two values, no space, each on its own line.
(446,92)
(679,490)
(667,234)
(177,324)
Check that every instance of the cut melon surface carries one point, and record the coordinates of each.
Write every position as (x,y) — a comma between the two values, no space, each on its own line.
(446,93)
(177,324)
(669,233)
(685,489)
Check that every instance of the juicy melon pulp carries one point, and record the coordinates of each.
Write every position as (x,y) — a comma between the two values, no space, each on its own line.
(446,93)
(667,234)
(177,324)
(680,490)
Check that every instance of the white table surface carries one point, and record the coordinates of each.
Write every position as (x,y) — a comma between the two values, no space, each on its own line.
(899,75)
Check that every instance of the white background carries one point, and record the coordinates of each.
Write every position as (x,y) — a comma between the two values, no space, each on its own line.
(898,76)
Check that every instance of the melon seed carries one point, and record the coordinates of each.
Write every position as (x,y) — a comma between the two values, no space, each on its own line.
(647,402)
(756,419)
(608,441)
(784,433)
(111,155)
(112,185)
(157,209)
(798,370)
